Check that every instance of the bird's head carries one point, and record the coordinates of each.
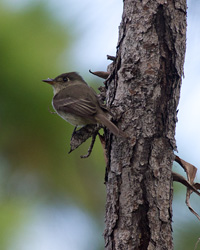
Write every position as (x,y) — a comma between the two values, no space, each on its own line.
(63,80)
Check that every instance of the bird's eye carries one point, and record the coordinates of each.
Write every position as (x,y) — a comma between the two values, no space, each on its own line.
(65,79)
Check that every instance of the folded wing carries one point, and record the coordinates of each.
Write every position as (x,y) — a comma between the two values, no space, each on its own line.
(80,107)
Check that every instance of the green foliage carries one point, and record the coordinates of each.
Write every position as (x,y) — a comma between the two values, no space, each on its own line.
(35,142)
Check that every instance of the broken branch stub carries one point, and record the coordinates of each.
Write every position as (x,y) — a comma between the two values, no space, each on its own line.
(101,74)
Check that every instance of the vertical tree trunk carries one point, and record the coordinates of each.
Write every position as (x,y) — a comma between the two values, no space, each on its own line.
(144,89)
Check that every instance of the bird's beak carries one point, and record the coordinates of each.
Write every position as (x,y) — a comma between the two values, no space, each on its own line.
(49,80)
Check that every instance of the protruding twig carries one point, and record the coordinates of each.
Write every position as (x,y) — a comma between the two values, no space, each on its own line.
(189,169)
(91,146)
(101,74)
(52,112)
(197,244)
(189,183)
(179,178)
(112,58)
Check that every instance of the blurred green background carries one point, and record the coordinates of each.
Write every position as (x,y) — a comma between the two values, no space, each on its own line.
(48,198)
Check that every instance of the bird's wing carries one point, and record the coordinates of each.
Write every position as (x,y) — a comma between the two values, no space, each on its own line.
(80,107)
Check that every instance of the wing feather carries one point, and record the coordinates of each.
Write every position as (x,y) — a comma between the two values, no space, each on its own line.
(80,107)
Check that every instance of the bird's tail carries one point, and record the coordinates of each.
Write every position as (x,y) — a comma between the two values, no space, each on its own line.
(102,119)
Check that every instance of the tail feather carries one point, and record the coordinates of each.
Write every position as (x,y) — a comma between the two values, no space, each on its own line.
(102,119)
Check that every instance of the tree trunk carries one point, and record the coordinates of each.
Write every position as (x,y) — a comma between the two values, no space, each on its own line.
(144,89)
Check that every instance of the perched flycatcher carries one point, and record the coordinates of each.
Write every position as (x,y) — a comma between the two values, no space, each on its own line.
(78,103)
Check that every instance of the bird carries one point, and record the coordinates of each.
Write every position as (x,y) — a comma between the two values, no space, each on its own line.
(78,103)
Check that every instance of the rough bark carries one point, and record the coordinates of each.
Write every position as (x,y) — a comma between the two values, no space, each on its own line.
(144,89)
